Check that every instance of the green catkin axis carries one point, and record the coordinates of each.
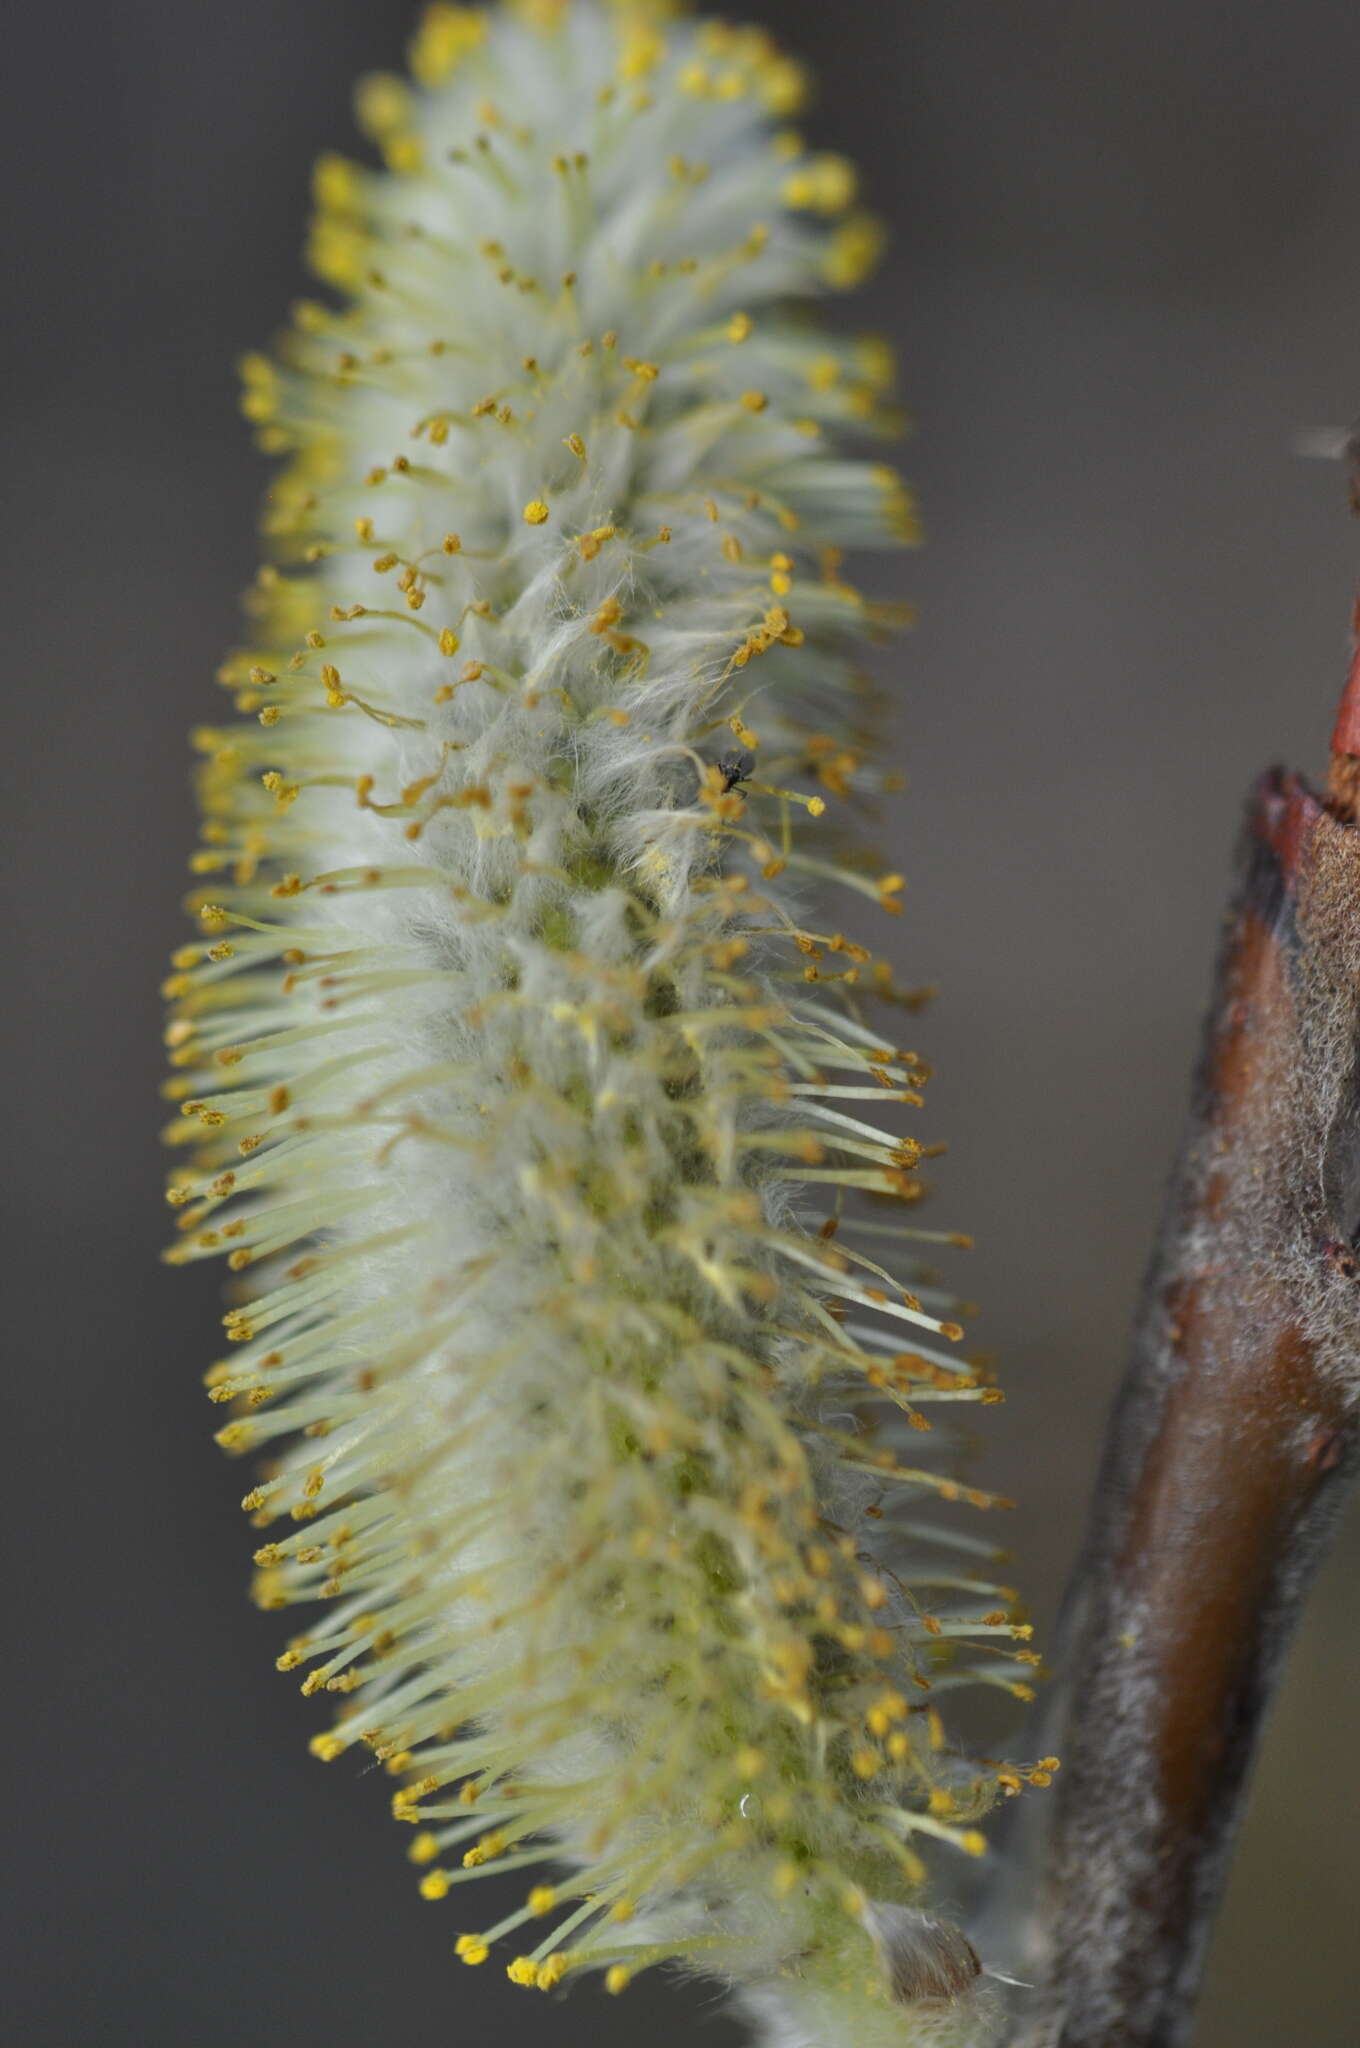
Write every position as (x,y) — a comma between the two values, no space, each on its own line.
(527,1096)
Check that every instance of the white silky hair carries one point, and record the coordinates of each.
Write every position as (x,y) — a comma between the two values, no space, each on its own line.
(521,1070)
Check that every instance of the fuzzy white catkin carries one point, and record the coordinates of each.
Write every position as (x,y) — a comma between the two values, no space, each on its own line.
(531,1102)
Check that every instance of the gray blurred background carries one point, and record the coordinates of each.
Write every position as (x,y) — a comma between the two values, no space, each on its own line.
(1124,278)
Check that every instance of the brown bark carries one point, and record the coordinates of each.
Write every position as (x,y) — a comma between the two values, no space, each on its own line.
(1232,1444)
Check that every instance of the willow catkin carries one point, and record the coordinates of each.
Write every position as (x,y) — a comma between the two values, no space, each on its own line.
(530,1101)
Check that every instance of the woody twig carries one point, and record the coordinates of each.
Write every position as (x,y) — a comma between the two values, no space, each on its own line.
(1231,1448)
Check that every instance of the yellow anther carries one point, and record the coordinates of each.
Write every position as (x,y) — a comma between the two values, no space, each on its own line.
(643,50)
(876,360)
(522,1971)
(536,513)
(617,1978)
(403,155)
(484,1851)
(444,37)
(327,1747)
(853,251)
(551,1971)
(336,184)
(754,401)
(382,105)
(783,85)
(434,1885)
(542,1899)
(825,184)
(424,1848)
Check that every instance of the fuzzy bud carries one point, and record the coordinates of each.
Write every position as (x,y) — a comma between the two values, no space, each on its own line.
(558,1193)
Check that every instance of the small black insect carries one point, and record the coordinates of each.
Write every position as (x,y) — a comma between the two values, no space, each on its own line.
(735,768)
